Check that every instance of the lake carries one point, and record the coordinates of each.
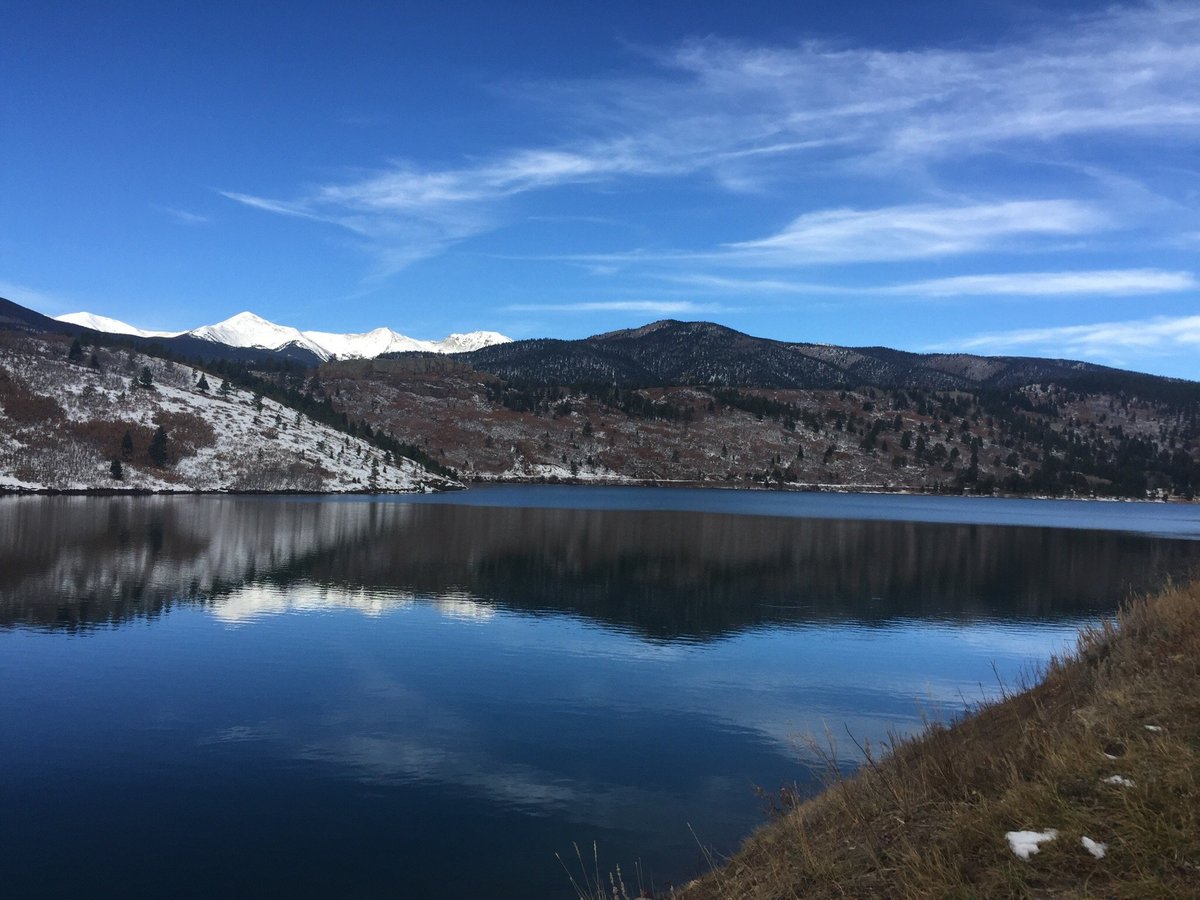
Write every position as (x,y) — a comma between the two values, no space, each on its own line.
(435,695)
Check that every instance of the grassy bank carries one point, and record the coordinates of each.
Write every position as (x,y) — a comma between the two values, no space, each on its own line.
(930,818)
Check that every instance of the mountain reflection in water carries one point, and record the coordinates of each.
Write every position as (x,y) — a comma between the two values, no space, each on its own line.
(76,562)
(297,696)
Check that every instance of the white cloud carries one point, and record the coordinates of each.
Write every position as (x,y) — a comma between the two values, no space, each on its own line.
(1092,283)
(746,115)
(182,216)
(913,232)
(723,284)
(1104,340)
(1104,282)
(653,307)
(884,234)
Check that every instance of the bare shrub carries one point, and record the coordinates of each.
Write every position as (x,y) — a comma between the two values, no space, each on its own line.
(105,435)
(187,432)
(24,406)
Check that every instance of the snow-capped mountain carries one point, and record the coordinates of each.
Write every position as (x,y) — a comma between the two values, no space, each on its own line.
(249,330)
(367,345)
(472,340)
(111,326)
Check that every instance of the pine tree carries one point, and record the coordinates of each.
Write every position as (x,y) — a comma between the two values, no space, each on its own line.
(202,384)
(146,379)
(94,362)
(75,354)
(157,451)
(127,446)
(116,470)
(225,389)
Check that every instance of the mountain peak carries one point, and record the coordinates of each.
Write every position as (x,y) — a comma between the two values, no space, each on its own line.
(109,325)
(247,329)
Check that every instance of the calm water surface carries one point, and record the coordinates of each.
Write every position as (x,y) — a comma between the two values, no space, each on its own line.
(433,696)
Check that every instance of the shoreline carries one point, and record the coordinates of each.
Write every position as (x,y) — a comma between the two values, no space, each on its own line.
(1100,759)
(666,484)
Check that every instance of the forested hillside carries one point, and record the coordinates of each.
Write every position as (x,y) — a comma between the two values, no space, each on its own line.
(1083,431)
(679,402)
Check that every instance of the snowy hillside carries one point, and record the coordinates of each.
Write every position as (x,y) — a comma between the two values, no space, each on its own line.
(249,330)
(62,424)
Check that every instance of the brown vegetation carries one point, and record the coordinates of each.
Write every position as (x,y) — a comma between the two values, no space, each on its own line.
(24,406)
(186,432)
(929,819)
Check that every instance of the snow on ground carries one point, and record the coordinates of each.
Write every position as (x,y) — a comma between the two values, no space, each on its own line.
(1095,848)
(232,442)
(550,472)
(1026,843)
(1119,781)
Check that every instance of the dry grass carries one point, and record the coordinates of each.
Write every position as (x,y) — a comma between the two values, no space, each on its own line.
(929,818)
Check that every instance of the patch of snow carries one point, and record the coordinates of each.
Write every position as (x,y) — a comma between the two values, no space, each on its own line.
(1119,781)
(1095,848)
(473,340)
(1154,728)
(110,326)
(1026,843)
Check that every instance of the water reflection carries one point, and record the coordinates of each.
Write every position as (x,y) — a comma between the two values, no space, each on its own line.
(76,562)
(347,694)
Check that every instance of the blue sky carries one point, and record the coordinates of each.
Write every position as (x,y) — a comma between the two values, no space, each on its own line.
(993,176)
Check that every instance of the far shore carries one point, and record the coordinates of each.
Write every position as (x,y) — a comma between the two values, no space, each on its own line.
(466,485)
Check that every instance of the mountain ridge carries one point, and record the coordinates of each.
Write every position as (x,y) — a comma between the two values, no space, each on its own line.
(671,352)
(248,330)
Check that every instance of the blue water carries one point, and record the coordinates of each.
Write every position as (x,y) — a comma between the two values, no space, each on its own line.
(356,697)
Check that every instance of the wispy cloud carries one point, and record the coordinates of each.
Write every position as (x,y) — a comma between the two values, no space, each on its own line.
(1104,340)
(882,234)
(726,285)
(49,304)
(651,307)
(1090,283)
(913,232)
(182,216)
(744,116)
(1105,282)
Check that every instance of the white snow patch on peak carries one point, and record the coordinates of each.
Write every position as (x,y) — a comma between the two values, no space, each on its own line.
(249,330)
(1095,848)
(383,340)
(110,326)
(366,345)
(472,340)
(1025,843)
